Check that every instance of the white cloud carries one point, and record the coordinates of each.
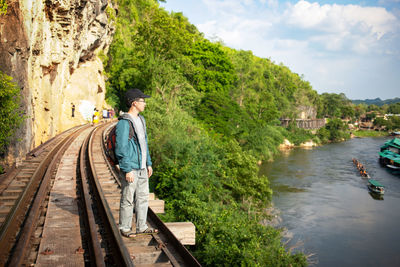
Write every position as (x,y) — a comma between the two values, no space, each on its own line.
(235,30)
(332,45)
(342,27)
(375,21)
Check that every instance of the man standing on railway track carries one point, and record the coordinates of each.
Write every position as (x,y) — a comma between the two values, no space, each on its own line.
(132,152)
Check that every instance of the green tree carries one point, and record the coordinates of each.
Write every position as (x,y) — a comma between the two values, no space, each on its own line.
(380,122)
(393,123)
(222,115)
(213,71)
(370,116)
(149,53)
(384,109)
(334,131)
(348,111)
(373,108)
(251,89)
(394,108)
(11,114)
(360,110)
(335,106)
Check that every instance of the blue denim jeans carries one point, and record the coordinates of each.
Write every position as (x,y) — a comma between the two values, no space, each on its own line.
(134,196)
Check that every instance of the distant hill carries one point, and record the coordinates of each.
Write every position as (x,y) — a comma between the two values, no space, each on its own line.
(377,101)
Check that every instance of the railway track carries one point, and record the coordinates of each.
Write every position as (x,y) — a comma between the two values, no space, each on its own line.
(70,212)
(23,193)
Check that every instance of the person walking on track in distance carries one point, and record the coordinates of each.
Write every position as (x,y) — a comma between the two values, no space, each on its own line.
(132,152)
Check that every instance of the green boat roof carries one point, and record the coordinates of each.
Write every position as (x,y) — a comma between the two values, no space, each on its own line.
(390,155)
(395,142)
(375,183)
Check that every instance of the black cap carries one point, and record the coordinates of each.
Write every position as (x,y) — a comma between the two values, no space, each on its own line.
(133,94)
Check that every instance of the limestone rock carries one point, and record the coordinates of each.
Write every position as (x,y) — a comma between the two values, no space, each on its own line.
(286,145)
(308,144)
(50,47)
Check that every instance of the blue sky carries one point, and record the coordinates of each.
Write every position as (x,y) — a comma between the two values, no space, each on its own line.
(350,47)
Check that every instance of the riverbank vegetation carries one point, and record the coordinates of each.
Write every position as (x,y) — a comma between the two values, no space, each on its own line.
(360,119)
(369,133)
(214,113)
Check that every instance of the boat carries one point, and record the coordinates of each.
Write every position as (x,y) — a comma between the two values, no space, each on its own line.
(375,187)
(361,169)
(390,154)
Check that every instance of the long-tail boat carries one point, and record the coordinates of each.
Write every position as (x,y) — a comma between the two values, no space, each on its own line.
(390,154)
(375,187)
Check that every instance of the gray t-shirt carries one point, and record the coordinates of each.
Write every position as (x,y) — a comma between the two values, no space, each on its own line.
(139,127)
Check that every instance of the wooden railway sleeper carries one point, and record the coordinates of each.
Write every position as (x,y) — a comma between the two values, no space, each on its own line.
(31,221)
(14,219)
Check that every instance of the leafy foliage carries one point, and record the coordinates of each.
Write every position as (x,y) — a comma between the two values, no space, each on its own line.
(11,115)
(215,185)
(3,7)
(394,108)
(335,106)
(392,123)
(213,113)
(213,70)
(147,51)
(298,136)
(334,131)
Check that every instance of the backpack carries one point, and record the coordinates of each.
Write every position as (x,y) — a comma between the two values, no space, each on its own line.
(110,143)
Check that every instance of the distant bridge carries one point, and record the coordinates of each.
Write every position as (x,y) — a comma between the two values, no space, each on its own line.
(305,124)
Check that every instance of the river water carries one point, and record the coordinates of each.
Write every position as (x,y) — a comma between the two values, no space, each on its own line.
(327,209)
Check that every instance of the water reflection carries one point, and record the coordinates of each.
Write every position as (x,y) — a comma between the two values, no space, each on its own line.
(325,204)
(376,196)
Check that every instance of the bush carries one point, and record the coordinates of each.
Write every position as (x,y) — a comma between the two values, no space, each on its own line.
(394,123)
(10,112)
(297,135)
(334,131)
(213,183)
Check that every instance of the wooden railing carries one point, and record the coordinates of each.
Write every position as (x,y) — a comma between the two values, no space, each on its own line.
(305,124)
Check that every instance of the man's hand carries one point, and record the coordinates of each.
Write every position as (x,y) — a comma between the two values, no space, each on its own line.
(130,177)
(150,171)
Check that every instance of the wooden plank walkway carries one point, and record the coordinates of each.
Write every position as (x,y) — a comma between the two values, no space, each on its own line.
(62,235)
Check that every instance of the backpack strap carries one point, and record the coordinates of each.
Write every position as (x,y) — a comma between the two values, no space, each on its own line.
(131,130)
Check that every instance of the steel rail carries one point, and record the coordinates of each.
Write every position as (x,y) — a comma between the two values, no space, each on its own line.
(121,252)
(40,149)
(172,240)
(94,246)
(31,221)
(9,228)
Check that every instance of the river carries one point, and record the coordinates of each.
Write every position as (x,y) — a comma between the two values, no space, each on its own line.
(327,209)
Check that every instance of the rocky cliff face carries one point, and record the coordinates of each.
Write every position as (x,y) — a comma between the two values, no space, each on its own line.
(51,49)
(306,112)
